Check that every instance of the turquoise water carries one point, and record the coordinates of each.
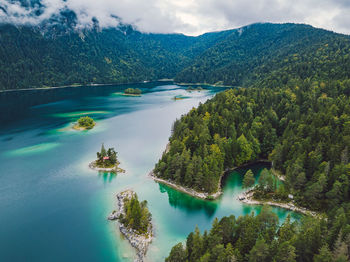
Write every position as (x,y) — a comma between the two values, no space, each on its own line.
(54,208)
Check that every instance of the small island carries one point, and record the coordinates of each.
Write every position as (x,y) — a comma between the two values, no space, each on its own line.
(194,88)
(175,98)
(84,123)
(106,161)
(135,222)
(132,92)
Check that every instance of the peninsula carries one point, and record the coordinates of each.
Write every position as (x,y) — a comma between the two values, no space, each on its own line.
(271,191)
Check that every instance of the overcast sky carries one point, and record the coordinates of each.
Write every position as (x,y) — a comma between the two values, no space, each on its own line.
(191,17)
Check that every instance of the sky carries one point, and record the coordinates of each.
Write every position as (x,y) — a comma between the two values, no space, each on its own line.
(191,17)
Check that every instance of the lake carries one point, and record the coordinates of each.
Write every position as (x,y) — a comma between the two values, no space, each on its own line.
(54,208)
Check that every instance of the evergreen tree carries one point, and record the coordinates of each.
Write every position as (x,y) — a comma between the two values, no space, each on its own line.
(248,180)
(325,255)
(260,252)
(177,254)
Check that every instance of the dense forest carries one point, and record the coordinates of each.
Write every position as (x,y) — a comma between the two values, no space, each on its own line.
(137,216)
(56,53)
(304,130)
(271,54)
(261,239)
(294,110)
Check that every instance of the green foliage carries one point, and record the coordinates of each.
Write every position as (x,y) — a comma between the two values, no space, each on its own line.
(248,180)
(250,56)
(271,55)
(177,254)
(266,181)
(260,238)
(245,150)
(86,122)
(325,255)
(310,123)
(133,91)
(33,57)
(137,216)
(106,158)
(260,252)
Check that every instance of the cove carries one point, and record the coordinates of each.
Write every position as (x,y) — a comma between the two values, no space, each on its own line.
(54,208)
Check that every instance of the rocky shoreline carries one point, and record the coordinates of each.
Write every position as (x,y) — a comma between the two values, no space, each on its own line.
(192,192)
(114,169)
(139,242)
(81,128)
(186,190)
(247,198)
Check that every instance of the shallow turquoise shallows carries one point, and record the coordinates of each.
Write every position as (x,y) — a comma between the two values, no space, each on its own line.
(54,208)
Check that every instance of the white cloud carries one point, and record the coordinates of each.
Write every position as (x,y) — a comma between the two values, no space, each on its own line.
(190,16)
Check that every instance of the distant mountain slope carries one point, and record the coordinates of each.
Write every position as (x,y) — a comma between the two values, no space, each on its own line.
(55,53)
(52,56)
(275,53)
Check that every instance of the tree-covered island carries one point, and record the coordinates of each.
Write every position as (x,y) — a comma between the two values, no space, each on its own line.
(133,92)
(135,221)
(106,161)
(84,123)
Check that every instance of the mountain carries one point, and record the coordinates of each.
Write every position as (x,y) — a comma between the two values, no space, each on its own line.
(56,53)
(273,53)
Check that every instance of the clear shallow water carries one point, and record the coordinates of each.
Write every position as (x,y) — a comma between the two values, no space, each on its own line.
(54,208)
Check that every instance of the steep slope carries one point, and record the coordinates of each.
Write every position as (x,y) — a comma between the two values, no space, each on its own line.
(263,52)
(56,54)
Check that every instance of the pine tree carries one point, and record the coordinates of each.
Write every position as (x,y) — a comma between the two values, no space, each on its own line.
(103,152)
(325,255)
(177,254)
(260,252)
(248,180)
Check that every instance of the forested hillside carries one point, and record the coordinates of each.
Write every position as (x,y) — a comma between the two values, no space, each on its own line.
(271,54)
(303,129)
(56,53)
(120,55)
(294,110)
(261,239)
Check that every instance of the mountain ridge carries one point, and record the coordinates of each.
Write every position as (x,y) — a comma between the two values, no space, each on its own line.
(59,55)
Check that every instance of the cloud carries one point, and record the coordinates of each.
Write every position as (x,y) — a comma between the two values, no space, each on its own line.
(186,16)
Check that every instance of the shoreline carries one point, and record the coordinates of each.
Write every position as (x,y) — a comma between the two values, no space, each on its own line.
(192,192)
(183,189)
(77,127)
(135,95)
(201,84)
(186,190)
(114,169)
(82,85)
(137,241)
(247,198)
